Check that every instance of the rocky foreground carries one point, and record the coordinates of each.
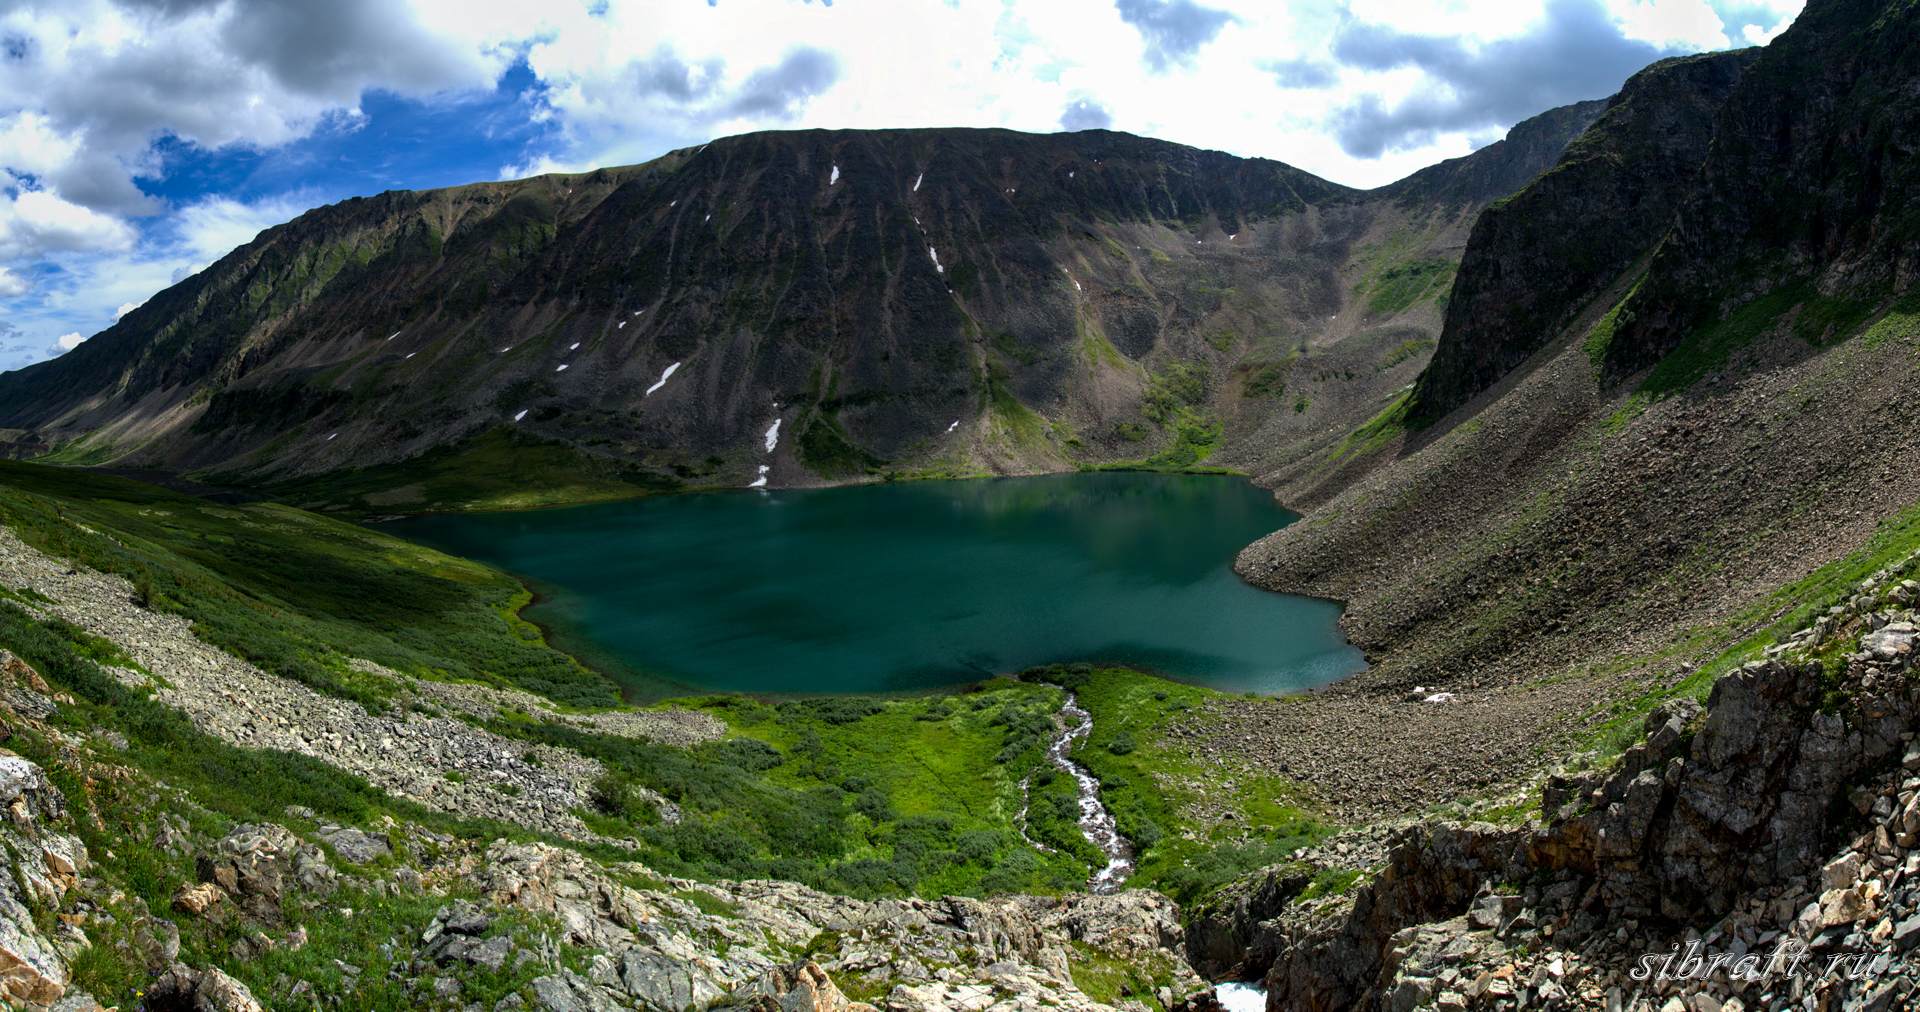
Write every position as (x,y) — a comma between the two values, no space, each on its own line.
(1769,843)
(584,932)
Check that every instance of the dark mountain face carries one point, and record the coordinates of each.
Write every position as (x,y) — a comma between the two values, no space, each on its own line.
(1536,259)
(918,301)
(1810,183)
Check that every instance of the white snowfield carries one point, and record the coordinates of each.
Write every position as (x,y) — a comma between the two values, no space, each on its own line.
(917,180)
(522,413)
(935,254)
(773,435)
(563,367)
(832,179)
(665,374)
(761,481)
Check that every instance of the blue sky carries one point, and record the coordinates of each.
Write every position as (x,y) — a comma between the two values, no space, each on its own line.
(140,140)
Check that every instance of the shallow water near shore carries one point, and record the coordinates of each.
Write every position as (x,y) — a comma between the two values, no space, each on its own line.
(912,586)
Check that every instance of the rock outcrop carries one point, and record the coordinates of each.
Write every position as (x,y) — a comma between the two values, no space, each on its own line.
(1810,181)
(1785,811)
(1537,258)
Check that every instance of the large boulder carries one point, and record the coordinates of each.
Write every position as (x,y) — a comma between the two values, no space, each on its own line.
(259,863)
(799,987)
(185,989)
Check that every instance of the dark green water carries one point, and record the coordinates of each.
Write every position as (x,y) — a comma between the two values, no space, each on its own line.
(913,586)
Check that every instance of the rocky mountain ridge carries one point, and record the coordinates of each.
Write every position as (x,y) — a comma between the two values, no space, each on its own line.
(901,302)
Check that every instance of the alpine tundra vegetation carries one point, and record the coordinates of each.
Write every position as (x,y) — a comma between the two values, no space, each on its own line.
(1603,439)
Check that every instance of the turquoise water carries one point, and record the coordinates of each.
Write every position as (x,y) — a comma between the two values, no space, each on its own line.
(912,586)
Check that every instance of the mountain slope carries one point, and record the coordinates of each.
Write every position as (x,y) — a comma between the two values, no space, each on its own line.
(1577,542)
(1535,259)
(897,301)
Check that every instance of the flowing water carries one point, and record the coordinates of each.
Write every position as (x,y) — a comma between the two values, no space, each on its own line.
(1096,823)
(912,586)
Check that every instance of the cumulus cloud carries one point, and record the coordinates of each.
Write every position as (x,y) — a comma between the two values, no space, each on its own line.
(68,342)
(1085,114)
(36,222)
(779,90)
(1303,73)
(210,229)
(90,86)
(1575,52)
(12,284)
(1173,30)
(602,108)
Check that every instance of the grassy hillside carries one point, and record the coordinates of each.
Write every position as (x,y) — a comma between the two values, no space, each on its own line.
(297,594)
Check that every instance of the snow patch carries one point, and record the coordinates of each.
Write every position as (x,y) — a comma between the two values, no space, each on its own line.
(773,435)
(917,180)
(333,437)
(935,254)
(835,177)
(410,355)
(760,482)
(706,219)
(393,335)
(575,346)
(1232,237)
(522,413)
(622,325)
(665,374)
(1069,173)
(508,348)
(955,425)
(563,367)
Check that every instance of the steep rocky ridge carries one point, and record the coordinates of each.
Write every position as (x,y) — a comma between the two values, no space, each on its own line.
(900,301)
(1811,184)
(1537,257)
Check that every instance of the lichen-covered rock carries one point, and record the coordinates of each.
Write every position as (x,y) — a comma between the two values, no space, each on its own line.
(258,863)
(800,987)
(43,865)
(186,989)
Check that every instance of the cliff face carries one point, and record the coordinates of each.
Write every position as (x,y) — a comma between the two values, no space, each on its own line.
(1810,181)
(945,300)
(1535,259)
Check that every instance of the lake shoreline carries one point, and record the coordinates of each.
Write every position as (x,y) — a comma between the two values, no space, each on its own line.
(906,588)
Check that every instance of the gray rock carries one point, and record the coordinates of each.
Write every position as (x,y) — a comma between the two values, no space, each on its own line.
(357,846)
(661,982)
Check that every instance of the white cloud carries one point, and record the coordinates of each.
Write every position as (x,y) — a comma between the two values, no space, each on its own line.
(125,308)
(35,222)
(68,342)
(212,228)
(12,284)
(1692,24)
